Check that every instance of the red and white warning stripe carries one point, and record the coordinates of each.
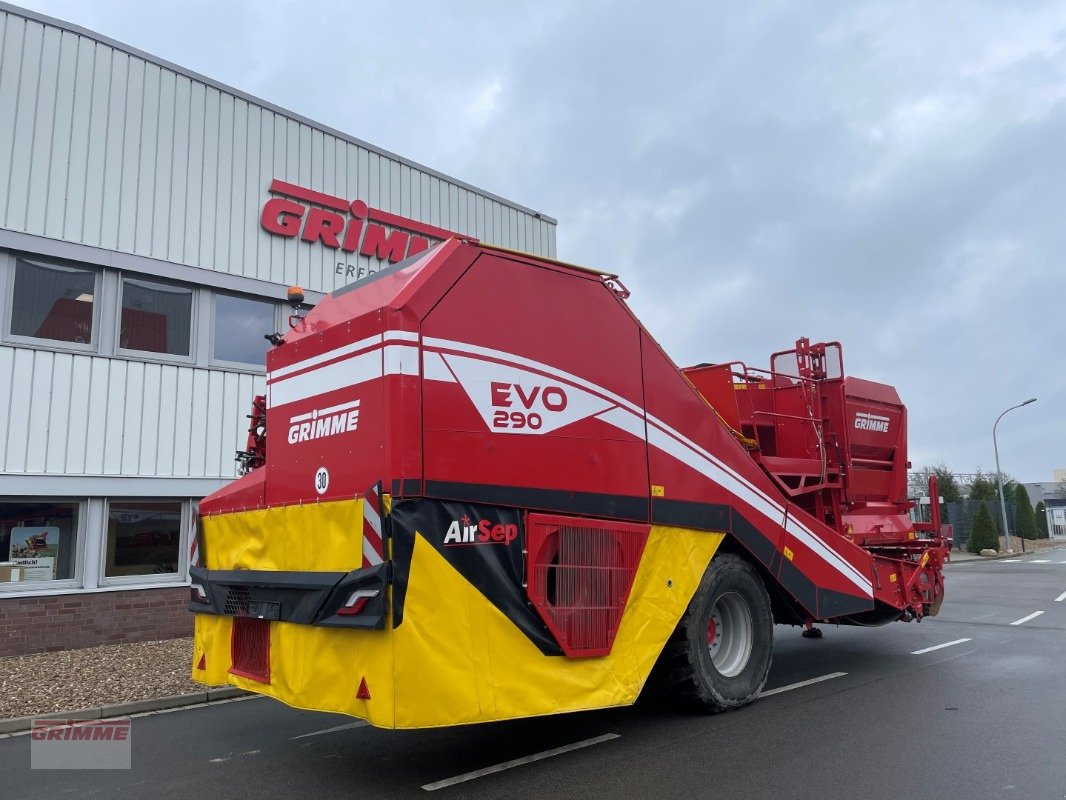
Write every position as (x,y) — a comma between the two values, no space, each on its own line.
(194,539)
(373,541)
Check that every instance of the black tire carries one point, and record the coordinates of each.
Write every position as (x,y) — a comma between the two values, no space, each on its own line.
(737,670)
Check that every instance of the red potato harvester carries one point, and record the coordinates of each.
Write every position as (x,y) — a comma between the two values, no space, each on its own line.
(488,494)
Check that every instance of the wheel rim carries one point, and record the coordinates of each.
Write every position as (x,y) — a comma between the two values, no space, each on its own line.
(730,633)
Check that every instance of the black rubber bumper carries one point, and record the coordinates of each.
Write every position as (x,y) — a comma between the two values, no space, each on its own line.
(304,598)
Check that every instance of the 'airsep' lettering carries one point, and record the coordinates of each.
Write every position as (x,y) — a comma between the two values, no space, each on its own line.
(484,532)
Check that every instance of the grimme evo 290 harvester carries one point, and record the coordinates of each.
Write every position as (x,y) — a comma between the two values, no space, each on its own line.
(488,493)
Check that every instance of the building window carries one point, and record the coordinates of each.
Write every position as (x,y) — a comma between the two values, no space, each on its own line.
(240,325)
(38,541)
(143,538)
(156,317)
(53,302)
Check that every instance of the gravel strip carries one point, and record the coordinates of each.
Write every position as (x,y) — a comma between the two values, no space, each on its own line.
(1031,545)
(95,676)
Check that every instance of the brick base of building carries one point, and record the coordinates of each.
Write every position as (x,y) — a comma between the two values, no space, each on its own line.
(66,622)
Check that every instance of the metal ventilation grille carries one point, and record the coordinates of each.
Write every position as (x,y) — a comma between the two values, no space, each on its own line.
(580,573)
(236,600)
(250,649)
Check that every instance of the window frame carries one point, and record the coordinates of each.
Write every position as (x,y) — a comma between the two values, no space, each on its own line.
(152,355)
(6,333)
(178,577)
(243,366)
(78,581)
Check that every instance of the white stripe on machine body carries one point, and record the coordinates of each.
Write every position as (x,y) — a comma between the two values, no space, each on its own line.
(307,378)
(343,367)
(675,444)
(340,352)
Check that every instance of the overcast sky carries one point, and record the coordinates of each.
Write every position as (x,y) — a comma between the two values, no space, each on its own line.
(891,175)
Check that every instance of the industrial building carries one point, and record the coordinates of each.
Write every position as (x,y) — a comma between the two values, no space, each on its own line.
(150,222)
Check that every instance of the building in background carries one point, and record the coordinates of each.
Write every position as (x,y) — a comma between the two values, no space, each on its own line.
(1053,495)
(150,222)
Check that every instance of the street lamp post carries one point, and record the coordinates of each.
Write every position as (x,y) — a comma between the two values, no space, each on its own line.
(999,475)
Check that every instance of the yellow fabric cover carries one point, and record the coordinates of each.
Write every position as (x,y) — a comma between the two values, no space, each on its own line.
(312,537)
(455,658)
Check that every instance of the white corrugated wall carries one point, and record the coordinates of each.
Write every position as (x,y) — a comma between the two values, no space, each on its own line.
(69,414)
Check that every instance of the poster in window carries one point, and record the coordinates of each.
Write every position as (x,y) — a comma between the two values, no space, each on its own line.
(147,539)
(36,549)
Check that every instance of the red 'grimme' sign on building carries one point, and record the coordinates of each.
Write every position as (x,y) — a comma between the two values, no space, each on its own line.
(339,224)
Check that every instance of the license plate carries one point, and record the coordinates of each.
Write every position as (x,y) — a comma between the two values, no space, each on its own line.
(263,609)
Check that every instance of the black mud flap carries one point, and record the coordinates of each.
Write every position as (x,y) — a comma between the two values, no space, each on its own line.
(483,544)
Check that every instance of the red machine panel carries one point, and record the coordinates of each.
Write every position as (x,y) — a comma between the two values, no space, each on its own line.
(698,469)
(715,383)
(875,429)
(327,412)
(532,381)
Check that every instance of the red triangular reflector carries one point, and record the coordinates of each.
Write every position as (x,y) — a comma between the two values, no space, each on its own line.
(203,662)
(364,690)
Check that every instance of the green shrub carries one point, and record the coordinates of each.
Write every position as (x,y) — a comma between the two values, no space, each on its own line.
(983,534)
(1041,521)
(1024,519)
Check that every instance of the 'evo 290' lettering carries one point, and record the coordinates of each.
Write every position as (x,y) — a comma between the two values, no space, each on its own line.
(504,396)
(515,401)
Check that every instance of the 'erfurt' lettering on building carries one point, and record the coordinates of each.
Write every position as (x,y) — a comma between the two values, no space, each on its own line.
(352,227)
(324,422)
(354,271)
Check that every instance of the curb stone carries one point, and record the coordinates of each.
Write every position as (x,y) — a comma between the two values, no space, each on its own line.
(18,724)
(955,557)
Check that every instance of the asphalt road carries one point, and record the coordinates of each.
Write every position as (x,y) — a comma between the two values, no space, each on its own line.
(982,718)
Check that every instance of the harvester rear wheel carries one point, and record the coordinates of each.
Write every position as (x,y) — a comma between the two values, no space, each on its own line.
(720,654)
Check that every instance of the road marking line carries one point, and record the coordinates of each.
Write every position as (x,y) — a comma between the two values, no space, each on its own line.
(1040,561)
(1060,598)
(357,724)
(517,762)
(1027,618)
(801,684)
(156,712)
(938,647)
(1062,562)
